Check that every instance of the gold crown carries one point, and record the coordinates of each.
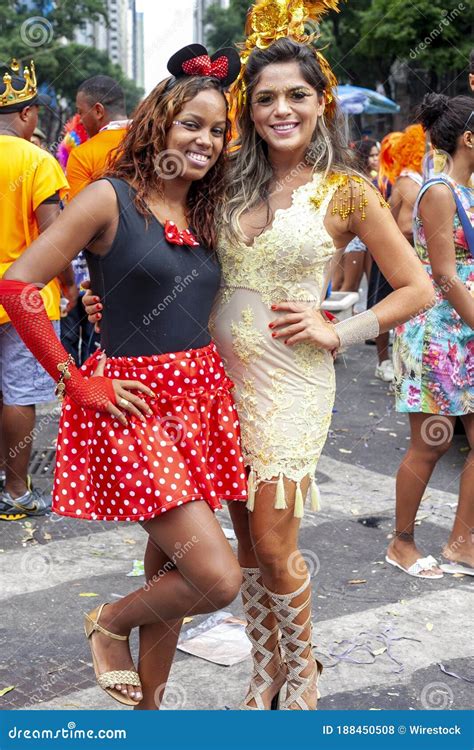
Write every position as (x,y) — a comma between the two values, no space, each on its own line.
(12,95)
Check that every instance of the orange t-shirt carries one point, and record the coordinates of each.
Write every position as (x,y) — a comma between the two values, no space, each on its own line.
(88,161)
(28,176)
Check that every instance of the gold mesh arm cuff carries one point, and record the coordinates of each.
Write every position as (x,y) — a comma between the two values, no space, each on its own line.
(358,328)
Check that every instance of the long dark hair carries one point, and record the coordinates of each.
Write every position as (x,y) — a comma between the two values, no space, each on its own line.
(362,151)
(445,119)
(143,161)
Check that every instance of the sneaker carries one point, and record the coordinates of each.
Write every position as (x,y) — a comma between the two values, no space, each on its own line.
(384,371)
(32,503)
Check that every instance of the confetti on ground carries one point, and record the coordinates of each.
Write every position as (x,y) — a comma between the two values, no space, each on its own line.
(87,594)
(429,626)
(357,581)
(138,569)
(4,691)
(344,450)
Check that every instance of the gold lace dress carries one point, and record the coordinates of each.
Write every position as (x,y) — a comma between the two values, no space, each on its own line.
(284,394)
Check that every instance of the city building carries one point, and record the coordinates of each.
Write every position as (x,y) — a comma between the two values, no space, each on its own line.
(200,16)
(122,38)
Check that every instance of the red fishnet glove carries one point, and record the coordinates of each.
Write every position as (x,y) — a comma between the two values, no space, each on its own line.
(26,310)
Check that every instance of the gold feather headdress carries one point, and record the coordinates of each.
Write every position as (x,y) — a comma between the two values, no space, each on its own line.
(269,20)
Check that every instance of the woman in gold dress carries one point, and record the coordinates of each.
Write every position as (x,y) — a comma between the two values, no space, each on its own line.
(293,201)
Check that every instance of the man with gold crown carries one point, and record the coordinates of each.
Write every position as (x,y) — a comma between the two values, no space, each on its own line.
(32,185)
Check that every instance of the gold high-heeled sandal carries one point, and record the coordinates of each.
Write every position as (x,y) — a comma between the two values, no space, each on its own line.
(108,680)
(294,642)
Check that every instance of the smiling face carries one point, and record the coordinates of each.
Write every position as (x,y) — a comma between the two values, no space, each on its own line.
(285,108)
(198,133)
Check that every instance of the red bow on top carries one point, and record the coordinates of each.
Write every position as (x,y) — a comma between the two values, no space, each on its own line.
(175,237)
(204,66)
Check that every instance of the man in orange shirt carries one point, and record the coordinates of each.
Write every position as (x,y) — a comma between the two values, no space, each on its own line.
(100,102)
(31,186)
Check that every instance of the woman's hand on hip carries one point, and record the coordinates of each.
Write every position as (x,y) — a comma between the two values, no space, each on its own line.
(126,403)
(303,322)
(92,305)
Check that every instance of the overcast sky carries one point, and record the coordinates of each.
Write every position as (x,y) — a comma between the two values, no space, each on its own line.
(168,26)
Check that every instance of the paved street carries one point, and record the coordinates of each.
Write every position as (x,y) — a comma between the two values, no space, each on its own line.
(405,628)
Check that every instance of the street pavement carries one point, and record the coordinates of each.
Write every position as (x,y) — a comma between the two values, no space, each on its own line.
(385,638)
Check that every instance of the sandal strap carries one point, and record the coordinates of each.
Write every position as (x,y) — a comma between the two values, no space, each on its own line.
(255,601)
(99,628)
(423,563)
(118,677)
(296,642)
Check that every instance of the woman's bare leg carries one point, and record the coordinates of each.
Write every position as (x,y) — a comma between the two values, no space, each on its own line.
(382,343)
(431,436)
(207,577)
(258,625)
(460,546)
(284,570)
(157,641)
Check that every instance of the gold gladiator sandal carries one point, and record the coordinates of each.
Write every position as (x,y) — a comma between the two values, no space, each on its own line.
(296,645)
(255,599)
(108,680)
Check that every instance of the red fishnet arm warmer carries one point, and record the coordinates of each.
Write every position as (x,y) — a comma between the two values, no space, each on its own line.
(26,310)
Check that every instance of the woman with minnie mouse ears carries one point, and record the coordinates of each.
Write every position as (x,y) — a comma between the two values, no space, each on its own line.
(148,430)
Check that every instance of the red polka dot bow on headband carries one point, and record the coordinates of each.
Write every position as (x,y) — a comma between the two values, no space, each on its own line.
(194,60)
(204,66)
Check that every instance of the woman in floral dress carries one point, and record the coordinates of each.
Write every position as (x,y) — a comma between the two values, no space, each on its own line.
(434,353)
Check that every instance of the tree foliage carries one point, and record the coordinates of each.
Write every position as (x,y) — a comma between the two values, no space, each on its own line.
(44,31)
(428,34)
(367,36)
(226,25)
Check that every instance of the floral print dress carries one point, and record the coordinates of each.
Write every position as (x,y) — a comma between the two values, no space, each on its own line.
(433,354)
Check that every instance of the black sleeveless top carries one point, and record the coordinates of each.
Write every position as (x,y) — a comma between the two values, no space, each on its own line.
(157,296)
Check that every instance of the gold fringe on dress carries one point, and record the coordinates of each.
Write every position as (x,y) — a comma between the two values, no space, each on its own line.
(251,489)
(280,495)
(299,502)
(280,499)
(315,496)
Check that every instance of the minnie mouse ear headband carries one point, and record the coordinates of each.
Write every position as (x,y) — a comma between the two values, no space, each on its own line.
(194,60)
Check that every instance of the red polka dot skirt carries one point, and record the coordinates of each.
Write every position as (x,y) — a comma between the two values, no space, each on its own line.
(189,449)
